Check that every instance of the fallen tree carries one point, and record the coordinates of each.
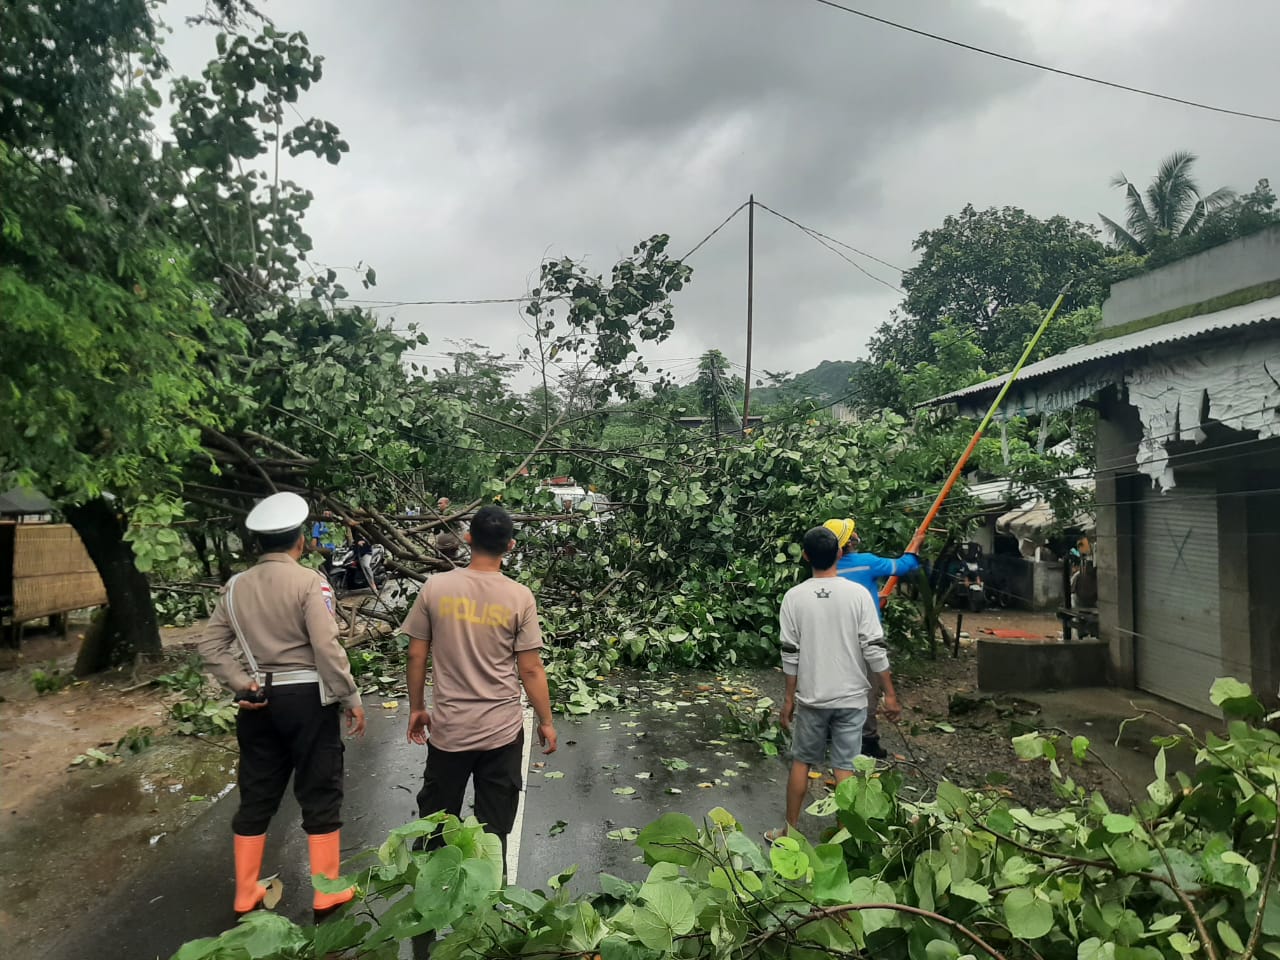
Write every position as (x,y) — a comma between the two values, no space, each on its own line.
(1192,868)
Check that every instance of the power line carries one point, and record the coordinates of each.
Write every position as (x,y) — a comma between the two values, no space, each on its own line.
(723,224)
(813,235)
(1048,69)
(364,301)
(435,303)
(838,243)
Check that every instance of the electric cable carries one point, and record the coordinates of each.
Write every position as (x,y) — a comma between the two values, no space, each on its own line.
(1045,67)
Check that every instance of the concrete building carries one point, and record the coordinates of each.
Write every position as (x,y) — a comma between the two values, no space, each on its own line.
(1184,374)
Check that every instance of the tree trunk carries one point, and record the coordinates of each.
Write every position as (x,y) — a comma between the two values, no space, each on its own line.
(200,544)
(225,560)
(129,628)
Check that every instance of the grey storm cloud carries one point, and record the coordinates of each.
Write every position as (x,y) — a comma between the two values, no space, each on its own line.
(487,135)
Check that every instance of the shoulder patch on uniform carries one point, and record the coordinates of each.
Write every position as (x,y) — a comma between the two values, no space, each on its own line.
(326,591)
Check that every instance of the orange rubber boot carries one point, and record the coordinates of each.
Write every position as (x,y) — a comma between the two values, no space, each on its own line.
(326,858)
(249,892)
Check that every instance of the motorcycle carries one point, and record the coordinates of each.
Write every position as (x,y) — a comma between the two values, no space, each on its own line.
(354,567)
(961,567)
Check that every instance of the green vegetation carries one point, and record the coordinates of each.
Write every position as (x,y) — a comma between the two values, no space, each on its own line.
(201,707)
(182,356)
(1190,869)
(50,681)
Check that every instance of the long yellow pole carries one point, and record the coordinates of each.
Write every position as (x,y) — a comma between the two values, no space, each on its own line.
(932,515)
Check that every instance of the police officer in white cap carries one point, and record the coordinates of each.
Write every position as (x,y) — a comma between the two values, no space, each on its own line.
(273,641)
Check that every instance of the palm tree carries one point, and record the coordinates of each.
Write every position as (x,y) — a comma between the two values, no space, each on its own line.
(715,386)
(1172,207)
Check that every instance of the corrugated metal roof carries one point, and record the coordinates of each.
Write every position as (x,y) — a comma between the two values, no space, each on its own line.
(1191,328)
(21,500)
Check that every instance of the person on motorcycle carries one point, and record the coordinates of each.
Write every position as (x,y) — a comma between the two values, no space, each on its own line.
(323,538)
(867,570)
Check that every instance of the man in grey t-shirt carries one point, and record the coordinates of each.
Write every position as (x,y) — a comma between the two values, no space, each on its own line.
(832,645)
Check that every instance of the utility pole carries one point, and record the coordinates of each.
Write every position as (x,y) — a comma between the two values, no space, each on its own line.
(715,401)
(751,264)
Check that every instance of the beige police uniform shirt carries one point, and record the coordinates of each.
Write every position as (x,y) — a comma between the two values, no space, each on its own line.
(476,624)
(286,613)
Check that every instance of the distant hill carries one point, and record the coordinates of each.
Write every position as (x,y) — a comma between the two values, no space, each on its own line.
(827,382)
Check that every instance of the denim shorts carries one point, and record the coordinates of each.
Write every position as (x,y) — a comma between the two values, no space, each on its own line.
(814,730)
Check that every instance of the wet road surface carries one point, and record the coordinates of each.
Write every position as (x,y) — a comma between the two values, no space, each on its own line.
(614,770)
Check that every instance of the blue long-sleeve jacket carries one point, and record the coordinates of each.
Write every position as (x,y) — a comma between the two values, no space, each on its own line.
(868,569)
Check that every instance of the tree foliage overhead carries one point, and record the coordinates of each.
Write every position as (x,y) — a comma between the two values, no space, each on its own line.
(1171,208)
(104,316)
(990,274)
(1245,214)
(130,266)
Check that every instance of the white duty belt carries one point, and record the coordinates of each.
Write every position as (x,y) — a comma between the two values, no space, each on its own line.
(279,678)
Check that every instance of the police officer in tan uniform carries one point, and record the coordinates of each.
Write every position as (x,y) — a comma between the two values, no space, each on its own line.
(273,641)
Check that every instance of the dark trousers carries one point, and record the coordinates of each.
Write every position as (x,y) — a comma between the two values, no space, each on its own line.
(497,776)
(294,735)
(871,728)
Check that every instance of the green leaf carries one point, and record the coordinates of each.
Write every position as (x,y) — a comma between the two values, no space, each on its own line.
(338,934)
(951,799)
(1095,949)
(1080,748)
(1235,698)
(867,890)
(1119,823)
(971,890)
(922,881)
(1029,746)
(449,886)
(787,859)
(668,913)
(740,845)
(1228,688)
(1129,854)
(1034,821)
(616,888)
(1229,937)
(586,929)
(624,791)
(941,950)
(264,935)
(669,840)
(624,833)
(561,878)
(527,899)
(1027,915)
(616,948)
(206,948)
(1183,944)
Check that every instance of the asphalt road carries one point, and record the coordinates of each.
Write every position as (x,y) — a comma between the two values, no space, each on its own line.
(571,805)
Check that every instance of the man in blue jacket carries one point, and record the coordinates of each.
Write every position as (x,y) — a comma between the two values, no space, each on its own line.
(867,570)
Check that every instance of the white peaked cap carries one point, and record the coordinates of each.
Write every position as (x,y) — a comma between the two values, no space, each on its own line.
(279,513)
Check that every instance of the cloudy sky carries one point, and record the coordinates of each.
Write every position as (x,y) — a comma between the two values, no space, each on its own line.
(485,135)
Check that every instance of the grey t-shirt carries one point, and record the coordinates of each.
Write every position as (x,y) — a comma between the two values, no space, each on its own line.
(831,642)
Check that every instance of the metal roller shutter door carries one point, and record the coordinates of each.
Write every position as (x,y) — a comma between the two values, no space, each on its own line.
(1179,642)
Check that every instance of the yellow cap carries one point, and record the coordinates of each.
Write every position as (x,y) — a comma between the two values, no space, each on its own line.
(844,529)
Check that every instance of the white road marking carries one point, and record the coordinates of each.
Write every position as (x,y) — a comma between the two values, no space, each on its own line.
(513,838)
